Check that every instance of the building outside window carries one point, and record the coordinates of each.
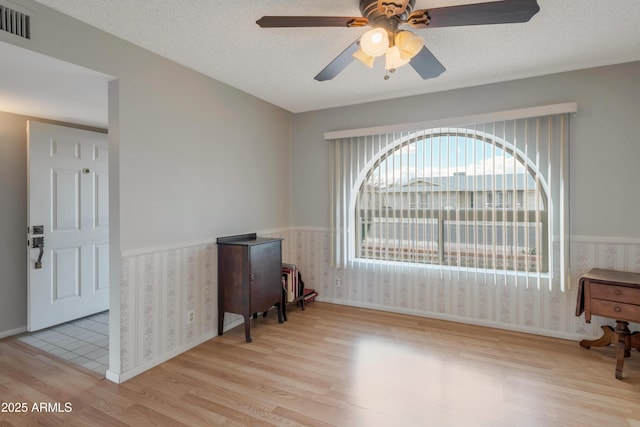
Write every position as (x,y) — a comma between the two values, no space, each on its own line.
(453,169)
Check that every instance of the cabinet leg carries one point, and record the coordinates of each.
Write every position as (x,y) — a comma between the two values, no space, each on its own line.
(280,311)
(247,328)
(220,322)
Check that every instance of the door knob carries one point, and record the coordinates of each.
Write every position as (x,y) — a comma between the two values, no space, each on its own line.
(38,242)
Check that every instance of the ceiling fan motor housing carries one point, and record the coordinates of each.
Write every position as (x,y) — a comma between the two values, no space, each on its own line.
(386,14)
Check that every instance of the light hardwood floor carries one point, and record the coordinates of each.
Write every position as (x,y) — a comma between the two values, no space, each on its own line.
(333,365)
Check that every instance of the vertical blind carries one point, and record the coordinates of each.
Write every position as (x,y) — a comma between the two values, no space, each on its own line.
(489,197)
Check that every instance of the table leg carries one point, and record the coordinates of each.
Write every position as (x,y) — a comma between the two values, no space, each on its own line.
(608,337)
(634,340)
(624,345)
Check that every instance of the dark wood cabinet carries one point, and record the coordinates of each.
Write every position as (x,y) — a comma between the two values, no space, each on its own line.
(249,277)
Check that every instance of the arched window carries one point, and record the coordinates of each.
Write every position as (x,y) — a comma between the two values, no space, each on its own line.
(453,196)
(489,197)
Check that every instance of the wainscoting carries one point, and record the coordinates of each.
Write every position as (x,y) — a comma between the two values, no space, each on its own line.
(159,288)
(507,303)
(157,291)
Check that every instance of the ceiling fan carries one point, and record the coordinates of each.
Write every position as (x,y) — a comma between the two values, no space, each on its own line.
(401,46)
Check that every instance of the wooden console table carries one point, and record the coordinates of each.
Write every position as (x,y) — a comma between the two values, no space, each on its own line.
(616,295)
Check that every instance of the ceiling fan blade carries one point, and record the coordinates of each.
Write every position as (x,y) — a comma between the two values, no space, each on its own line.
(498,12)
(338,64)
(311,21)
(426,64)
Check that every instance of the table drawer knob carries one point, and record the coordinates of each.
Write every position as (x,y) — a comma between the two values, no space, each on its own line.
(618,309)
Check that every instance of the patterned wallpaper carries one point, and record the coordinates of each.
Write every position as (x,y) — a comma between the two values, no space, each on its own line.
(158,289)
(520,304)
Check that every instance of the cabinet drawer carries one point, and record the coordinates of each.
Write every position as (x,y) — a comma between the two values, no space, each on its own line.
(615,310)
(615,293)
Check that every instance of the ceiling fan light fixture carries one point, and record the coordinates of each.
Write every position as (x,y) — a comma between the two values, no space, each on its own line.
(375,42)
(409,44)
(361,56)
(386,17)
(393,59)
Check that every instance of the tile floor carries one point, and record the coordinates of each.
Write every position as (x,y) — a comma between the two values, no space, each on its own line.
(83,341)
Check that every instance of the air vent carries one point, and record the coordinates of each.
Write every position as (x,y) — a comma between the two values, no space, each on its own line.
(14,22)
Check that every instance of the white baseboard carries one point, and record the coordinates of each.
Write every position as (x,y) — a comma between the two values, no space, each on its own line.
(466,320)
(12,332)
(121,377)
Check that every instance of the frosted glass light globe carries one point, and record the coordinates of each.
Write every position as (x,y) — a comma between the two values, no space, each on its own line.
(375,42)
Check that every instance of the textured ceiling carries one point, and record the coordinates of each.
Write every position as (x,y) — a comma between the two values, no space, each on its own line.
(220,39)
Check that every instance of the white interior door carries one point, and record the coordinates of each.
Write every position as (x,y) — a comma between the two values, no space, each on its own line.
(68,197)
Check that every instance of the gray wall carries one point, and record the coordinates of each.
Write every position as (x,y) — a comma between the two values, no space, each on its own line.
(604,206)
(604,146)
(13,222)
(193,158)
(183,138)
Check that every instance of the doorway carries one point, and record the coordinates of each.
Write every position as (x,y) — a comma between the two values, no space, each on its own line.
(38,86)
(68,224)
